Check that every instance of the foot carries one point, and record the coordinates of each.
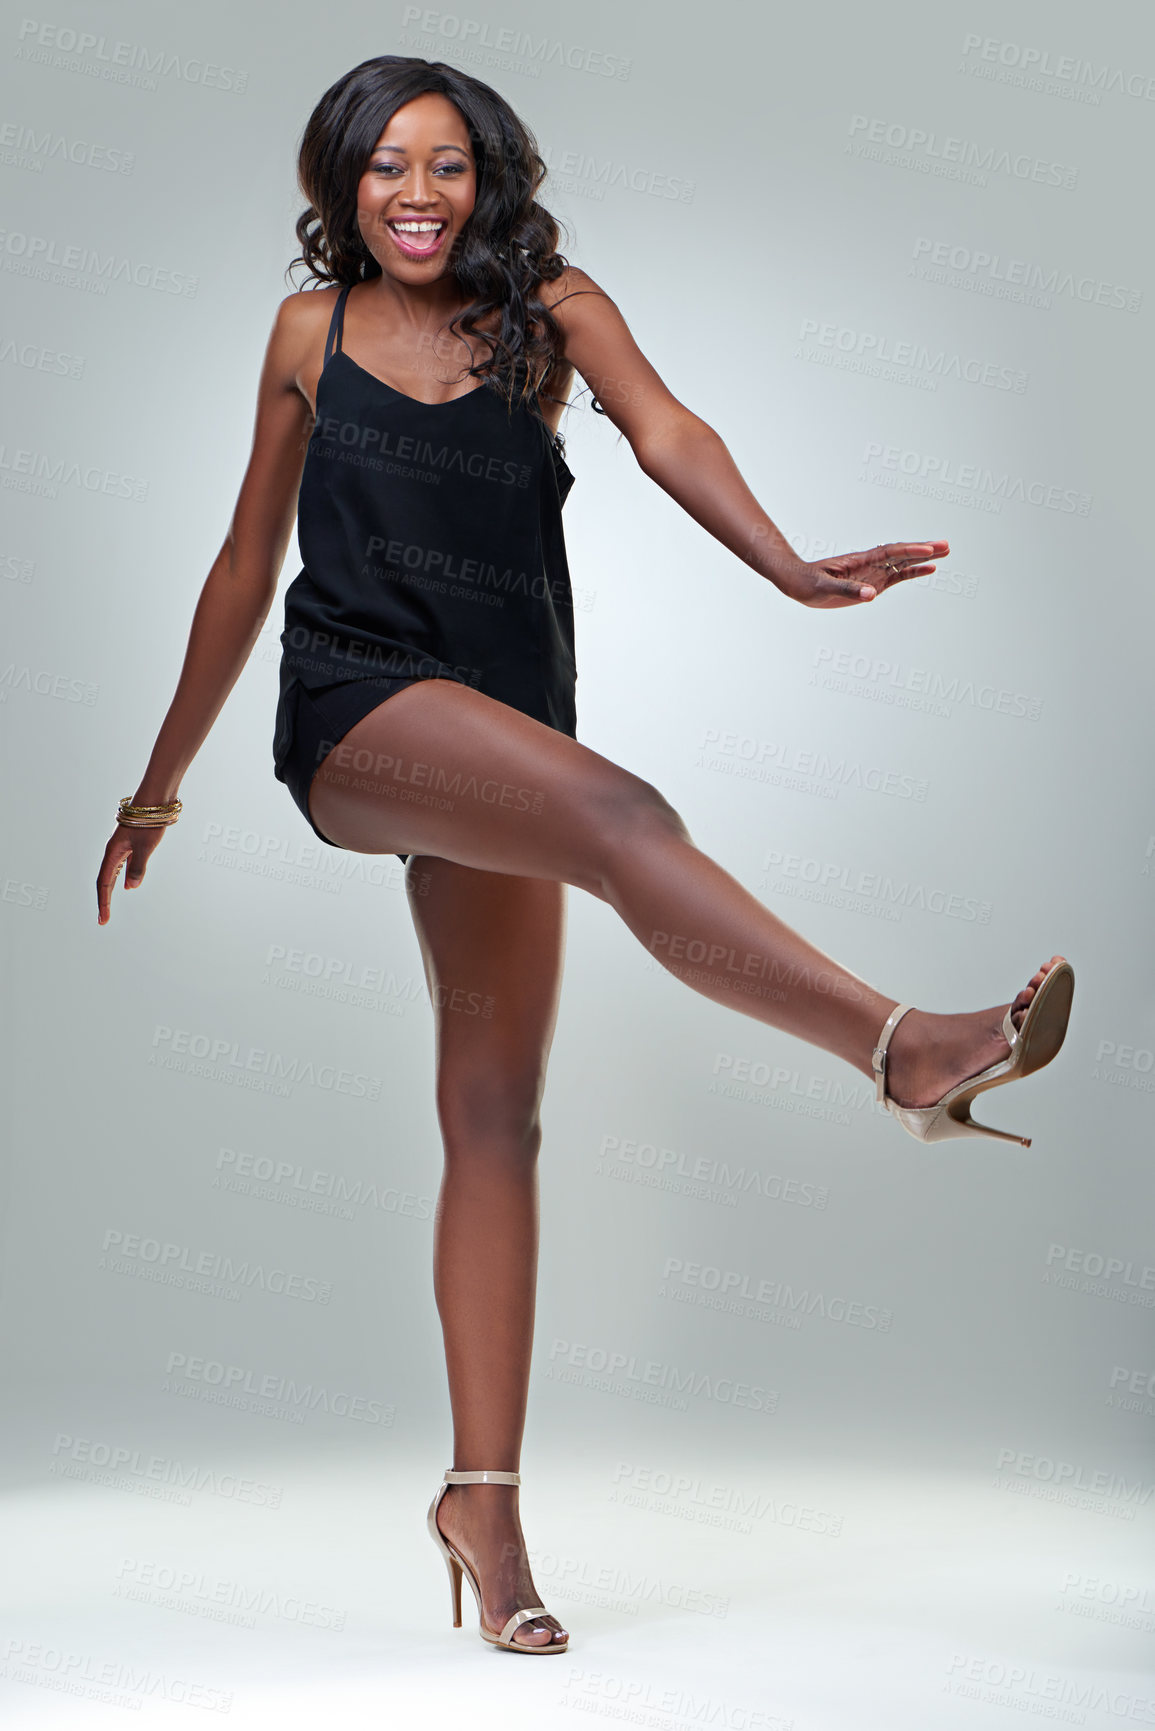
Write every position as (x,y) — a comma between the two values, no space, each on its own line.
(482,1523)
(930,1054)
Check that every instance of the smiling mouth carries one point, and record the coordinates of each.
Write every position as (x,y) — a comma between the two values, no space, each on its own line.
(420,236)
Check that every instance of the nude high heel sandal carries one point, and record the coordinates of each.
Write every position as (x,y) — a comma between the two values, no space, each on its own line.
(1032,1045)
(457,1566)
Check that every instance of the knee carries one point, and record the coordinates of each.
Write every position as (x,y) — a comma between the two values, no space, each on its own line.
(491,1116)
(632,817)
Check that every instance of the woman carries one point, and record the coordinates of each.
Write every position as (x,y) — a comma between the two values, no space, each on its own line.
(408,415)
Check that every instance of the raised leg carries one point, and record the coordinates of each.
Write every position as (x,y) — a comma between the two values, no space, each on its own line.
(441,769)
(492,947)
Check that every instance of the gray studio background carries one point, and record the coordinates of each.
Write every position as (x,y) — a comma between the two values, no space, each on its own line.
(912,290)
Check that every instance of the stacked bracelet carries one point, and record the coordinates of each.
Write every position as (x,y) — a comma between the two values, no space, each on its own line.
(146,816)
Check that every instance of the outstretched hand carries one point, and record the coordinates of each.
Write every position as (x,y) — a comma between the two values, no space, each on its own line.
(846,578)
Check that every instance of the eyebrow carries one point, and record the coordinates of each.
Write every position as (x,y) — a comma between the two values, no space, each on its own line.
(401,148)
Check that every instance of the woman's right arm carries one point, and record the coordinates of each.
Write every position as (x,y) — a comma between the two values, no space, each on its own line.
(238,592)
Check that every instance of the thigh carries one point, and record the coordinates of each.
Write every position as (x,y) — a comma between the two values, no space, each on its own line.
(492,946)
(442,769)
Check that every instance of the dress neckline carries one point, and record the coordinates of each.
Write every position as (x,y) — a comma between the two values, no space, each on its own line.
(418,402)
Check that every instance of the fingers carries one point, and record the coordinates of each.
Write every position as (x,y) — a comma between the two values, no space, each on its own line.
(120,853)
(865,575)
(106,883)
(915,549)
(851,588)
(895,553)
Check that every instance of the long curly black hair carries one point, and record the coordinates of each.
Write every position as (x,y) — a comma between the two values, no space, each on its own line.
(505,250)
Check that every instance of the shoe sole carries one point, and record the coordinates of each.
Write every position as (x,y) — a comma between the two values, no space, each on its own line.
(1045,1024)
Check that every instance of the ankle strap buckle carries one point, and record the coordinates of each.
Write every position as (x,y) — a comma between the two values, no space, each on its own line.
(878,1056)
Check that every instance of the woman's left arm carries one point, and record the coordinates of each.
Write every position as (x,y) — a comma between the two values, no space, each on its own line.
(690,462)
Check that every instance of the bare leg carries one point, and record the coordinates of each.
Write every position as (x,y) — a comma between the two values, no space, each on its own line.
(440,769)
(492,947)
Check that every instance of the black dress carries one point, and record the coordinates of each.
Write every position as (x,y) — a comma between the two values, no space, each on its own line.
(432,541)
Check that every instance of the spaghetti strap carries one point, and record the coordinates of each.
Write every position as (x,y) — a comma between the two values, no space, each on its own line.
(336,326)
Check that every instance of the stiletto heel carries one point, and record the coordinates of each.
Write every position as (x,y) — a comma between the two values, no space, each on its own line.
(1032,1045)
(458,1566)
(454,1568)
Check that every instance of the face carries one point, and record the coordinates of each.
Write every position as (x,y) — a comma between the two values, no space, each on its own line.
(418,190)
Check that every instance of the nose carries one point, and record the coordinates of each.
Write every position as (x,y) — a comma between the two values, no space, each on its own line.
(421,191)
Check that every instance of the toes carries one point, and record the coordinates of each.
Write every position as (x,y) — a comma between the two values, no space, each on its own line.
(536,1634)
(1022,1002)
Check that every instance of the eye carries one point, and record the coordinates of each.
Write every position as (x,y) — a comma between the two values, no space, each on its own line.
(392,168)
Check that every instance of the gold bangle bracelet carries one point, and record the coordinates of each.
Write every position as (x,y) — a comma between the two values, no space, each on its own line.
(147,816)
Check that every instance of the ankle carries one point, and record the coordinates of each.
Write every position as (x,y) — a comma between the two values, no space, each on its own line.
(486,1509)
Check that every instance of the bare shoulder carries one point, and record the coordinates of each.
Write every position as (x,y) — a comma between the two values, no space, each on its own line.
(571,286)
(297,339)
(301,315)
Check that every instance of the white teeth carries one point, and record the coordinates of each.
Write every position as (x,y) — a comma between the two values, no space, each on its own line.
(417,227)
